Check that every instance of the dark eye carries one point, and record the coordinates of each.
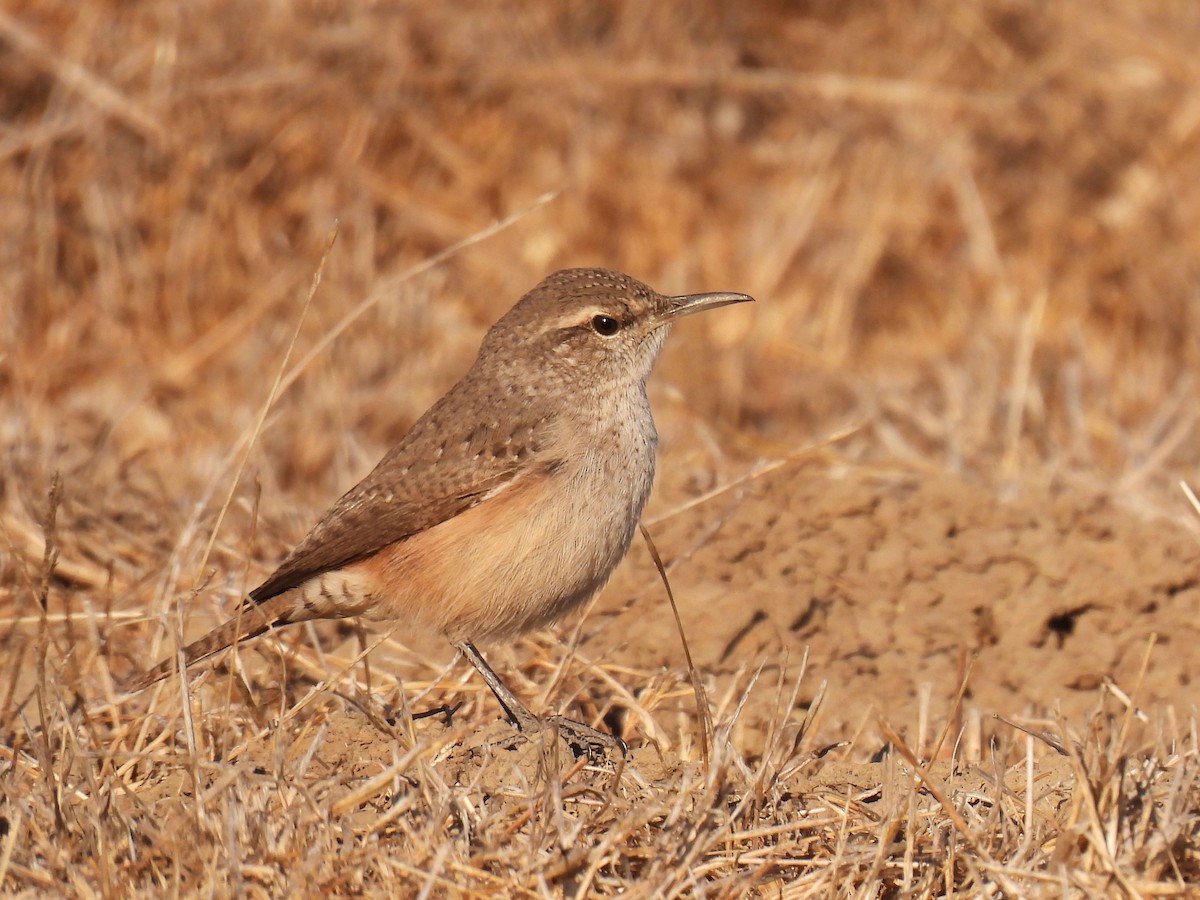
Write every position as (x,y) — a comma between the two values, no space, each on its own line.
(606,326)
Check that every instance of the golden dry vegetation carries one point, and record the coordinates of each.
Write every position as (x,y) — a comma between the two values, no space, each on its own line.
(929,479)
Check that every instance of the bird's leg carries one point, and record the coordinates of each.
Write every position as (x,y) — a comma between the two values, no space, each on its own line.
(518,713)
(581,736)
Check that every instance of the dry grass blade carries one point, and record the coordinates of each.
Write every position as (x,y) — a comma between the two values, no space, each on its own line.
(1187,490)
(43,688)
(276,386)
(938,791)
(958,699)
(408,274)
(702,708)
(87,82)
(1048,739)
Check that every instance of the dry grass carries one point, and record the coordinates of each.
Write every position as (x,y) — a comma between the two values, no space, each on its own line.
(974,229)
(311,791)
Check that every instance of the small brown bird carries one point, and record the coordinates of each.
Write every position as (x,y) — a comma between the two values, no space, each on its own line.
(510,501)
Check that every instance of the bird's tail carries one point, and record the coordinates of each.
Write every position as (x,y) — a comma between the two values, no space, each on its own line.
(252,620)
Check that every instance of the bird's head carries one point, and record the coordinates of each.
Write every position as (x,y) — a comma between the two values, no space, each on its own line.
(594,327)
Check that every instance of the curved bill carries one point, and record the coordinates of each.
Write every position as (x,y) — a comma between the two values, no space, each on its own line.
(678,307)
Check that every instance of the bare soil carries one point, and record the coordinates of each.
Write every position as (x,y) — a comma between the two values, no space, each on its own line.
(887,581)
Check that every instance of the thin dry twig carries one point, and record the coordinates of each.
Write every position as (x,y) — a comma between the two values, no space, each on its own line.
(702,707)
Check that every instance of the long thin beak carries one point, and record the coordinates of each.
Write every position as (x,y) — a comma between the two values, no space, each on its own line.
(688,304)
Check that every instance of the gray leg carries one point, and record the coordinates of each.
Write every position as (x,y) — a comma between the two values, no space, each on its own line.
(518,713)
(582,737)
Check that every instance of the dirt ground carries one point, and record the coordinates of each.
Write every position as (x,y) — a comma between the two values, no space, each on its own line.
(890,580)
(824,604)
(892,588)
(886,582)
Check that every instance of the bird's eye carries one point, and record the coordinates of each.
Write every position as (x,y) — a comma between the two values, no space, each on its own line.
(606,326)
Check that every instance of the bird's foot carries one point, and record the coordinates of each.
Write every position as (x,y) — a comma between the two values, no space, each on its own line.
(586,739)
(445,712)
(583,739)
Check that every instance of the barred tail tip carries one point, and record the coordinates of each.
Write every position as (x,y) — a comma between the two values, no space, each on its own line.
(249,623)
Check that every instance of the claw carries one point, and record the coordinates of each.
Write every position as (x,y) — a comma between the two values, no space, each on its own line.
(582,738)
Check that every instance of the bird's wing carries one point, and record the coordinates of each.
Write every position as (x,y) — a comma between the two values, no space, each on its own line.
(435,473)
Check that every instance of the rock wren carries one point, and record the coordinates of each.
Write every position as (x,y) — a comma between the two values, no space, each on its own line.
(510,501)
